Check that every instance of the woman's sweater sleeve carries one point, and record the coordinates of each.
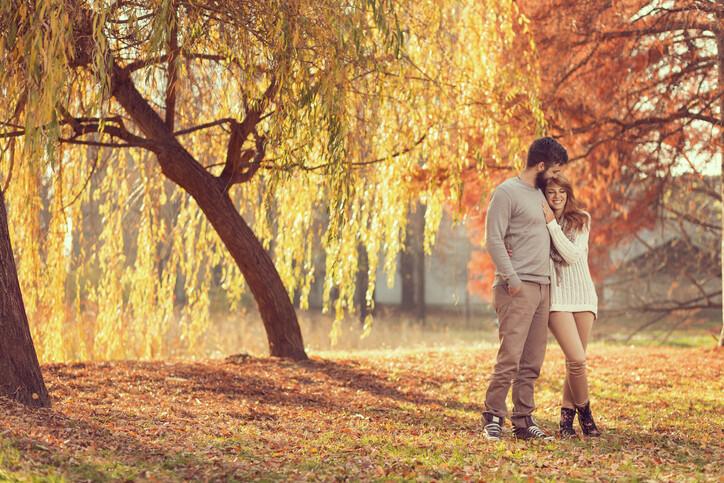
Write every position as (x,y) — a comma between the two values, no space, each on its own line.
(571,251)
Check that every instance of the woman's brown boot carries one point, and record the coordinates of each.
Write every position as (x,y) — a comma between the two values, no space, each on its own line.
(566,425)
(585,418)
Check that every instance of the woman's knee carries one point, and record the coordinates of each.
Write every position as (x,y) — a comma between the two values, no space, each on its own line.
(576,365)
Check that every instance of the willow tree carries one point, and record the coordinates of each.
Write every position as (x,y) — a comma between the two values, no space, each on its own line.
(216,117)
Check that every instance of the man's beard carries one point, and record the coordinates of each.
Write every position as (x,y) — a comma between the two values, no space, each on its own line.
(540,180)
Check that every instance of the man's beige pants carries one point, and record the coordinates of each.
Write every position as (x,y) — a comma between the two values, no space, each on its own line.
(523,333)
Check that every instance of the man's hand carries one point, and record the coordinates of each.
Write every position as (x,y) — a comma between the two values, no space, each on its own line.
(547,212)
(512,291)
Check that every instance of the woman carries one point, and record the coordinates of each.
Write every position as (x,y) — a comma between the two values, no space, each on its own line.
(574,303)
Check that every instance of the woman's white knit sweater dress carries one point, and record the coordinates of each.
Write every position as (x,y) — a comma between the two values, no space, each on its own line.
(574,291)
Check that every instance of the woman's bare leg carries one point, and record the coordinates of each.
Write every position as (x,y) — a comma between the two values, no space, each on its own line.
(584,323)
(565,328)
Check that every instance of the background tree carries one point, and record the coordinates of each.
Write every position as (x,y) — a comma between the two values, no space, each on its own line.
(412,266)
(196,111)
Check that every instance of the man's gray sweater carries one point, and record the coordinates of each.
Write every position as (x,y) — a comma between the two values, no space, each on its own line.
(515,219)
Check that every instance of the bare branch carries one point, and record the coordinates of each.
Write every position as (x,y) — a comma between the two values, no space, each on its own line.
(240,131)
(97,143)
(692,219)
(248,164)
(667,28)
(88,125)
(362,163)
(12,134)
(649,323)
(666,306)
(226,120)
(253,167)
(234,157)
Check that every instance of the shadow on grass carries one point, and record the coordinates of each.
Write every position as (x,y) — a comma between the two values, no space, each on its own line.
(82,450)
(272,382)
(378,385)
(342,374)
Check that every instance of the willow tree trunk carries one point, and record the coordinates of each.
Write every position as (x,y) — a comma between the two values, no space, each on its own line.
(178,165)
(275,307)
(20,376)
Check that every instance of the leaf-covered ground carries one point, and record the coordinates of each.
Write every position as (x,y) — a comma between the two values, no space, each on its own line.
(377,416)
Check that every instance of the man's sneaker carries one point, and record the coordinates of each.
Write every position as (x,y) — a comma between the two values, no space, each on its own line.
(493,428)
(530,431)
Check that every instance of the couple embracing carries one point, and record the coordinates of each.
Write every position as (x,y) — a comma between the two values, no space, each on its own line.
(537,237)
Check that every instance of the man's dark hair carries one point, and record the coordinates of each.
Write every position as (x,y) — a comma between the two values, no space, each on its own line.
(546,150)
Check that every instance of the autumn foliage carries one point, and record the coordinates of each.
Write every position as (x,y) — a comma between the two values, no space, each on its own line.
(156,152)
(630,88)
(388,417)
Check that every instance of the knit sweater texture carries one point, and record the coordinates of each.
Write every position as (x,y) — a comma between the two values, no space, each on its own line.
(574,290)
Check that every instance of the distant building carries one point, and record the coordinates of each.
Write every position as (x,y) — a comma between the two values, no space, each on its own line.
(446,274)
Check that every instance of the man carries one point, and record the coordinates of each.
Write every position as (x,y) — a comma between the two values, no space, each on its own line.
(521,298)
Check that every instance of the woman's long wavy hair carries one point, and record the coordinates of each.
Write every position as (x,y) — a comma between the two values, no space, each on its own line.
(573,214)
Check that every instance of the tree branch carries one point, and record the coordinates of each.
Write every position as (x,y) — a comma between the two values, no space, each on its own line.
(143,63)
(171,74)
(12,134)
(645,325)
(667,306)
(692,219)
(85,183)
(207,125)
(240,131)
(363,163)
(671,27)
(88,125)
(97,143)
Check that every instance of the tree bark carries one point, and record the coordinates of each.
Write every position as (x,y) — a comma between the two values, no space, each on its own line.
(277,312)
(412,265)
(177,164)
(361,282)
(720,54)
(407,277)
(20,376)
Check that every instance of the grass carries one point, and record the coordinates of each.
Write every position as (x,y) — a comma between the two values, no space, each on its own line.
(380,415)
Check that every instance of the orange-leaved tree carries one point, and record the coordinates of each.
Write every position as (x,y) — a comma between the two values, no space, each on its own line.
(633,90)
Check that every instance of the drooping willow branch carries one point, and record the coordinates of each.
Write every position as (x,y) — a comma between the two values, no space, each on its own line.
(357,164)
(199,127)
(112,126)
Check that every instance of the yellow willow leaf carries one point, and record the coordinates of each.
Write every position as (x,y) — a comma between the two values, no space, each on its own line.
(363,124)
